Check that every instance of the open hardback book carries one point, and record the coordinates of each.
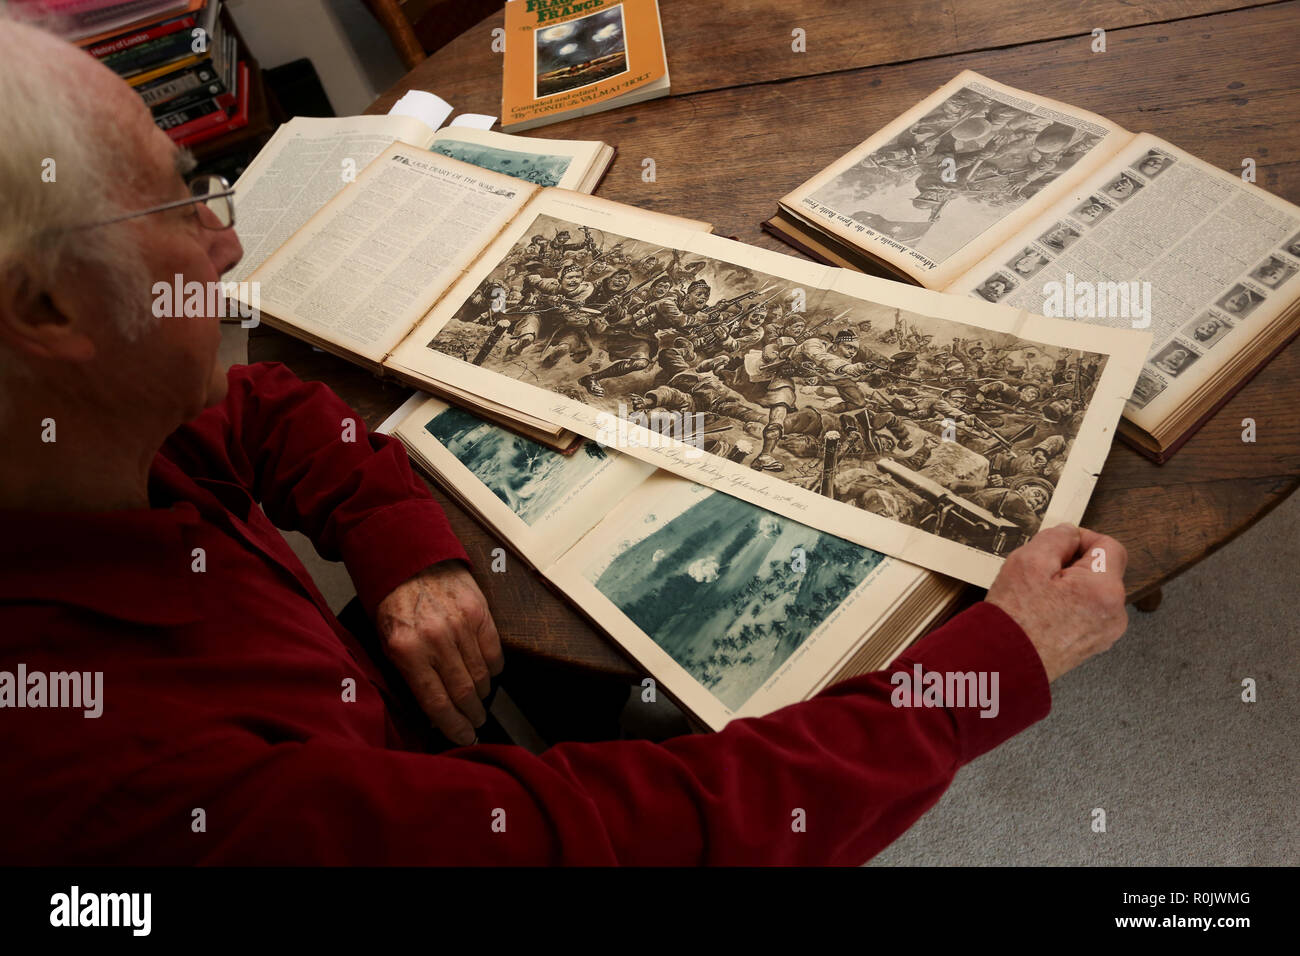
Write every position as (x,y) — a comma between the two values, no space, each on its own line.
(309,160)
(782,382)
(988,191)
(733,610)
(354,267)
(549,309)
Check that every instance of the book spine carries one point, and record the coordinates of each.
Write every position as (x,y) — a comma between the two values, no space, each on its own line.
(167,69)
(179,118)
(171,86)
(199,125)
(129,41)
(142,58)
(238,121)
(207,121)
(192,98)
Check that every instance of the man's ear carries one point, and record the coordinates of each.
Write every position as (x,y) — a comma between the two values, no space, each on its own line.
(33,323)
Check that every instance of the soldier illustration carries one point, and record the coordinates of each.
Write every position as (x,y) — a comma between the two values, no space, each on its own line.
(767,377)
(633,341)
(700,390)
(560,249)
(1022,501)
(557,298)
(574,337)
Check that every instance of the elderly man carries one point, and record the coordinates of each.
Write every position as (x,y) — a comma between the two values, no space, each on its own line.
(235,720)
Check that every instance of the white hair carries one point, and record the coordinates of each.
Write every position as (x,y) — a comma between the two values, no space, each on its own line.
(58,171)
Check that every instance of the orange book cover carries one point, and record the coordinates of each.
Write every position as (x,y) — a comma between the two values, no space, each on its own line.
(565,58)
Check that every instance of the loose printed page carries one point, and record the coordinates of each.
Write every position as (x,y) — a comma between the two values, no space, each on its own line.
(935,189)
(364,270)
(761,357)
(539,500)
(306,164)
(739,611)
(543,162)
(1162,239)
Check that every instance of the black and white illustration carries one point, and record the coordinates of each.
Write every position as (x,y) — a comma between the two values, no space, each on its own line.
(1240,301)
(1122,187)
(530,478)
(729,591)
(1148,387)
(955,172)
(1292,247)
(1060,237)
(1093,211)
(1174,359)
(580,52)
(543,169)
(960,431)
(1273,271)
(1154,163)
(1027,262)
(995,287)
(1205,330)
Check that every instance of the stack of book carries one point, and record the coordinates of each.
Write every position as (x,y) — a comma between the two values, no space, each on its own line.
(177,54)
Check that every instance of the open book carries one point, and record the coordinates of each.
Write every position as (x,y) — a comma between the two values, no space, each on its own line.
(735,611)
(309,160)
(773,379)
(361,272)
(985,190)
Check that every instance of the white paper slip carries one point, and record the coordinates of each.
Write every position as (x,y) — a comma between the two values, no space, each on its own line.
(474,121)
(428,108)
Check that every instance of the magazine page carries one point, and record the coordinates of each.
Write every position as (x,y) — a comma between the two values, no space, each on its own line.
(538,499)
(366,267)
(734,609)
(306,164)
(935,189)
(563,163)
(1161,240)
(841,401)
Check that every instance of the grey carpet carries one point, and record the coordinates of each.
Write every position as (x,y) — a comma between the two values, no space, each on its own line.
(1154,732)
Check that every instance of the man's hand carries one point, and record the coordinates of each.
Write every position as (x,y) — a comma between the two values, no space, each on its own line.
(437,629)
(1050,588)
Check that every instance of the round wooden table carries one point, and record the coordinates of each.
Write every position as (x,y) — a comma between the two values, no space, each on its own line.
(750,118)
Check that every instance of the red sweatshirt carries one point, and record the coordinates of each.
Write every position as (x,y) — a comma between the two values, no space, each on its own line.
(226,735)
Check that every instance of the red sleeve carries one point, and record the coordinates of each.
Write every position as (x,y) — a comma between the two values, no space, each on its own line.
(857,771)
(358,501)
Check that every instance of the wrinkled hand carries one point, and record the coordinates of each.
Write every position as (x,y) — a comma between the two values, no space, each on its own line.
(1069,611)
(437,629)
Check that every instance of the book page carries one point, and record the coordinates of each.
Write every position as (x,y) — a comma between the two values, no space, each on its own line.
(543,162)
(824,395)
(538,499)
(365,268)
(1156,239)
(306,164)
(736,610)
(935,189)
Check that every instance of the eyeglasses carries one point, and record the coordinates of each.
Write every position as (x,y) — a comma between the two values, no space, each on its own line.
(211,190)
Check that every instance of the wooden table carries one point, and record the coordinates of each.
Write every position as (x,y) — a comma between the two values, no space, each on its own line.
(749,119)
